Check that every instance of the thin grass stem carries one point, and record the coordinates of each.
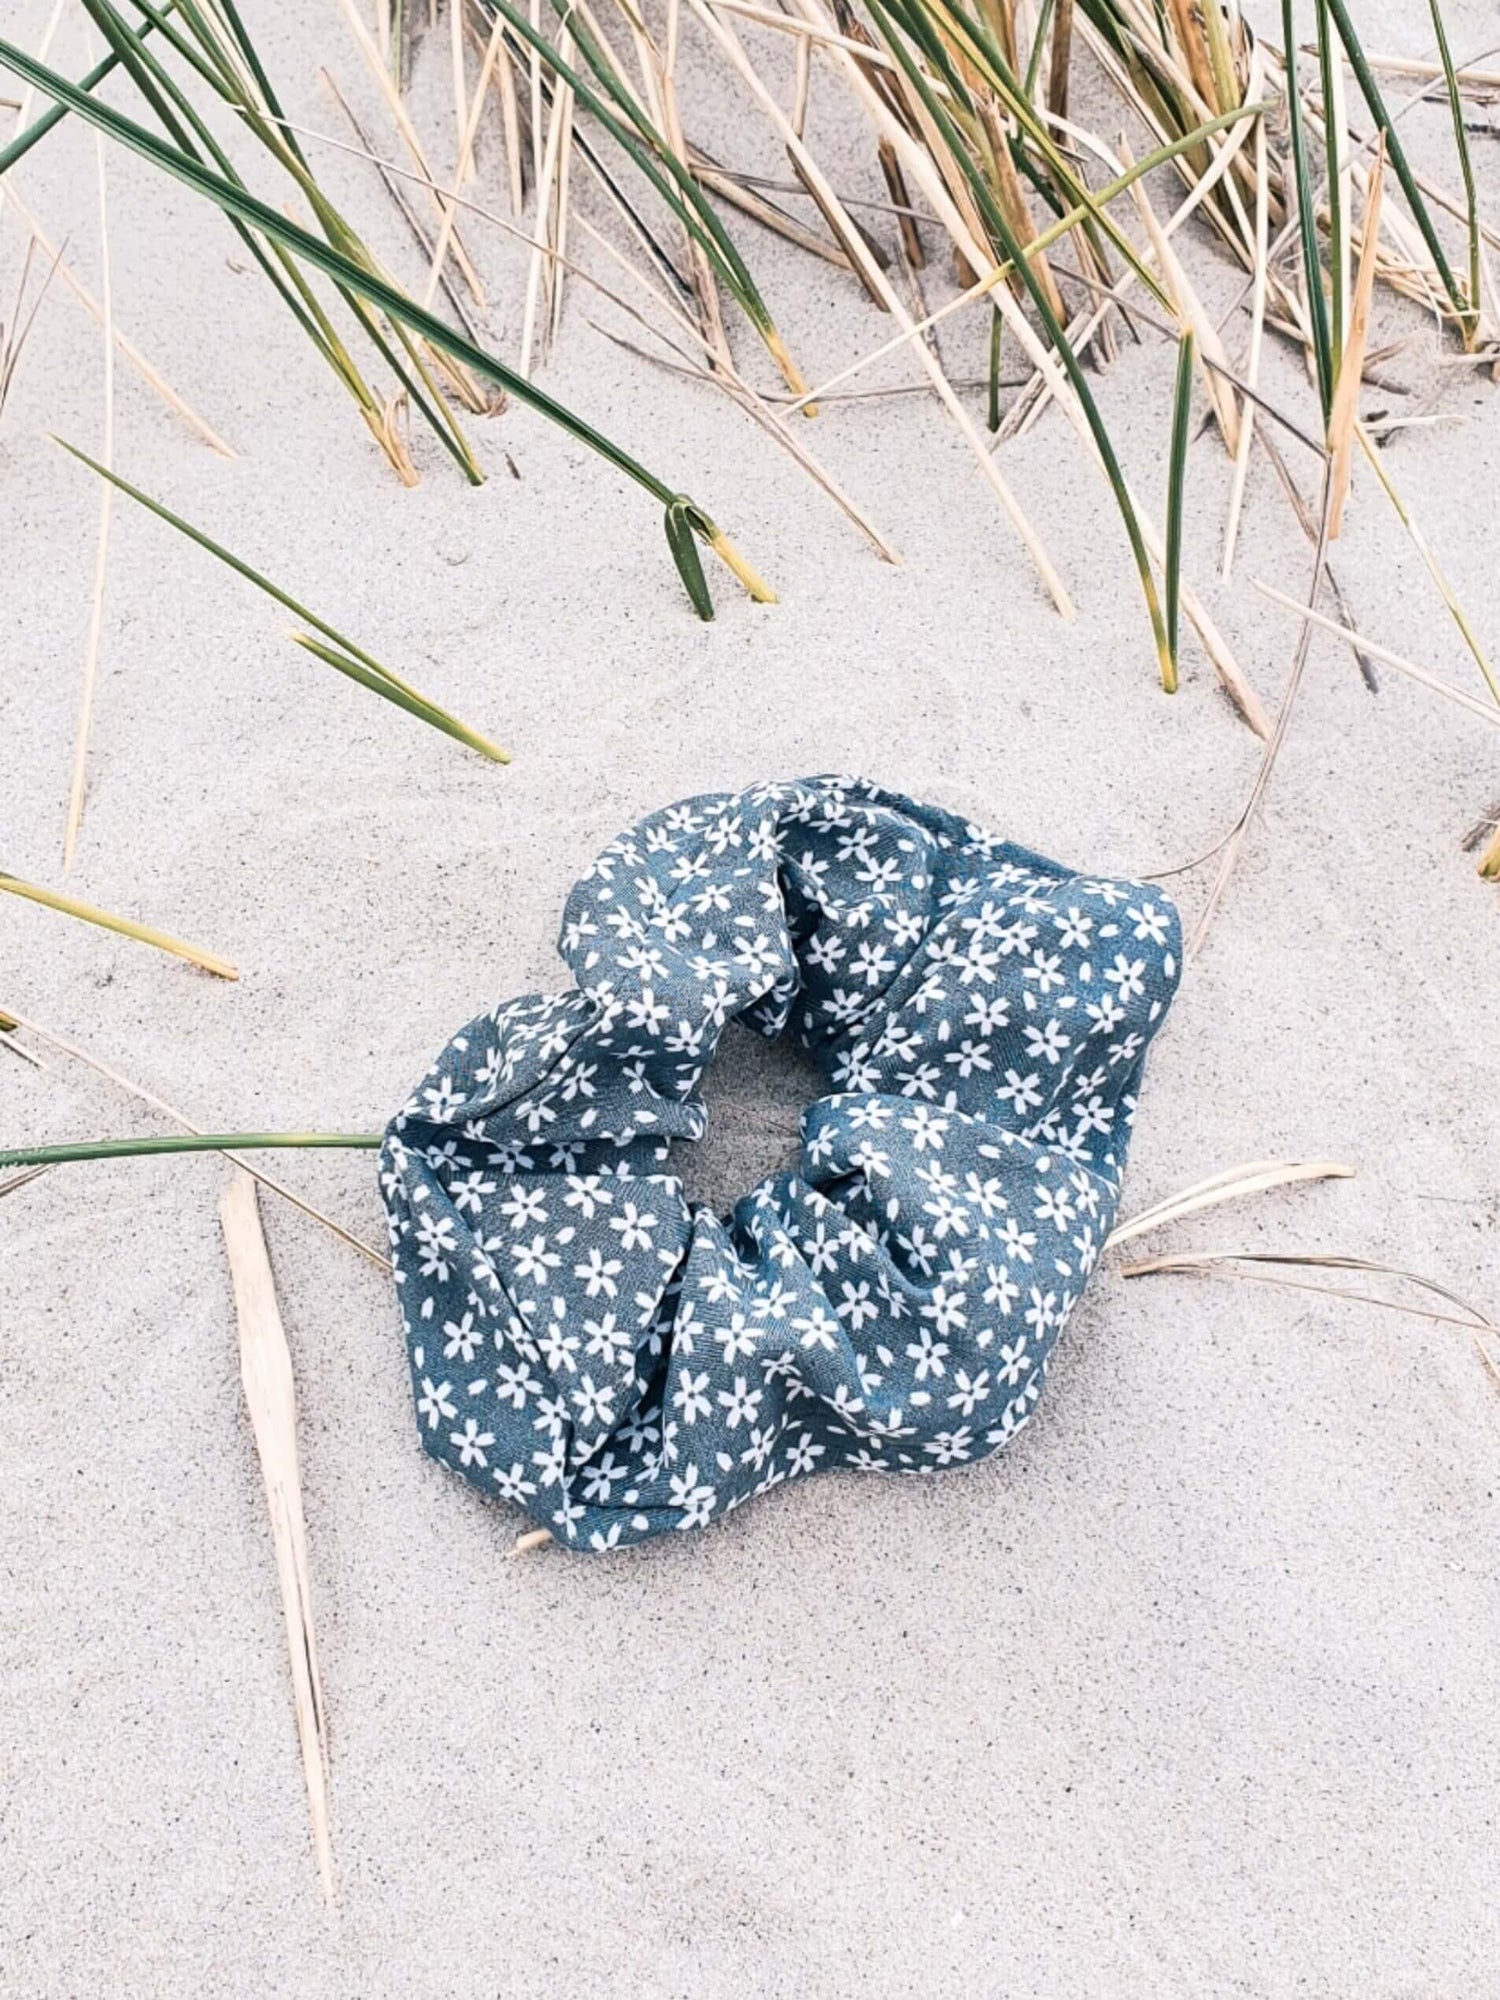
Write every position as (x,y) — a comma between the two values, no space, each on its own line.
(184,1142)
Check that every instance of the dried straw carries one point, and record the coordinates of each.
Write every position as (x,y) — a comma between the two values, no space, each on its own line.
(271,1399)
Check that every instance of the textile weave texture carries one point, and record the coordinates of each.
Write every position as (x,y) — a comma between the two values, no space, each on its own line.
(587,1343)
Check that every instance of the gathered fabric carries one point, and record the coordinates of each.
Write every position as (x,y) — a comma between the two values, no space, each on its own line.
(586,1342)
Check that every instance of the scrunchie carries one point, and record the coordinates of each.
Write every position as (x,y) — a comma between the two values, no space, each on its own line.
(619,1361)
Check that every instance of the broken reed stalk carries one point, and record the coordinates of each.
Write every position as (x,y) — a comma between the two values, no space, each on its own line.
(271,1400)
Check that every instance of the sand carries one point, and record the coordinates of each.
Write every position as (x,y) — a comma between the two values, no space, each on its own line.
(1191,1692)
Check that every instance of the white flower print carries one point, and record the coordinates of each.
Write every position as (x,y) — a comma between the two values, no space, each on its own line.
(634,1227)
(436,1402)
(462,1338)
(471,1443)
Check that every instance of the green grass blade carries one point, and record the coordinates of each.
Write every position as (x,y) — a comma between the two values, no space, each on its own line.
(348,658)
(1328,55)
(225,556)
(1182,403)
(322,256)
(394,691)
(1466,167)
(681,542)
(1307,220)
(23,142)
(186,1142)
(186,128)
(70,906)
(1370,91)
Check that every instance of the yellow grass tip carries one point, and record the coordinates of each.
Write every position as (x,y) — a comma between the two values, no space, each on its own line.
(750,577)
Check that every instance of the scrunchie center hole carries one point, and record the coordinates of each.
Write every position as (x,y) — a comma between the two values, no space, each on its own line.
(756,1092)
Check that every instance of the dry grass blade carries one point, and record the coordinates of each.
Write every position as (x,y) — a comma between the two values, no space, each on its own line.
(79,783)
(1252,359)
(1345,411)
(1230,1263)
(402,120)
(1424,549)
(767,213)
(875,279)
(1485,711)
(70,906)
(1191,312)
(1234,842)
(1482,82)
(152,377)
(468,134)
(271,1398)
(1233,1184)
(15,332)
(541,273)
(14,1048)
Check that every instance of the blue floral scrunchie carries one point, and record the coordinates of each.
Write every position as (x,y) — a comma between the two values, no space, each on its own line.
(586,1342)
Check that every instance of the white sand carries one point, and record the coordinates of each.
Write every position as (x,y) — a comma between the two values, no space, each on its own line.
(1193,1691)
